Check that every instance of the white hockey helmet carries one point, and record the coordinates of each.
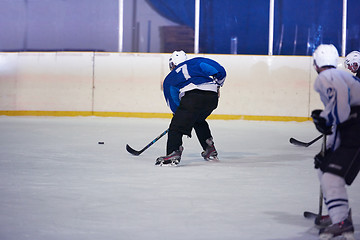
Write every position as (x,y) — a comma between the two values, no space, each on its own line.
(326,55)
(352,61)
(176,58)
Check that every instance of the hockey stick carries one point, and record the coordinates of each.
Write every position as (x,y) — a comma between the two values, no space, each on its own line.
(303,144)
(321,222)
(318,216)
(310,215)
(137,153)
(321,197)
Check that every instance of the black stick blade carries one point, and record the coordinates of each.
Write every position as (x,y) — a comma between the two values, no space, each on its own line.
(132,151)
(298,143)
(304,144)
(137,153)
(310,215)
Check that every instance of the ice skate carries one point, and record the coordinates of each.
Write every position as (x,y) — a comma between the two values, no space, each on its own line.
(210,153)
(172,159)
(323,222)
(343,230)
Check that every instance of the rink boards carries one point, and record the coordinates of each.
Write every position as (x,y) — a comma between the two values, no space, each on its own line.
(130,85)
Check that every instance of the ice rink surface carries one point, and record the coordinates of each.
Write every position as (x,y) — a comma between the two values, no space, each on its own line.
(58,183)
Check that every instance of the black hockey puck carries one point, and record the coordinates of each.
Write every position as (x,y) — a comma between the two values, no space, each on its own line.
(100,142)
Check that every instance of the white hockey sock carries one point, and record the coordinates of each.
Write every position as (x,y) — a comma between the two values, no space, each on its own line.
(335,196)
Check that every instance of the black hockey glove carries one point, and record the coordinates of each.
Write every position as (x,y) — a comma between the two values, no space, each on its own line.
(320,122)
(319,159)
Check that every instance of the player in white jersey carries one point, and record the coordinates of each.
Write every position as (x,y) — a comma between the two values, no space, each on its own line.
(340,122)
(352,62)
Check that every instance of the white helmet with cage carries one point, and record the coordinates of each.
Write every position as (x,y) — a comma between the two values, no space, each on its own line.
(326,55)
(176,58)
(352,61)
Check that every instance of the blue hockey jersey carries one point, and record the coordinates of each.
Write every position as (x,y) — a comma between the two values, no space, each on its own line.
(196,73)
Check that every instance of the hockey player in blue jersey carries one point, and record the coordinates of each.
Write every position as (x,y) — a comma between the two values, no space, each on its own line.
(191,91)
(340,121)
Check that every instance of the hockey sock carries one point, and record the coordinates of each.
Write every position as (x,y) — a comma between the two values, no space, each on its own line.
(335,196)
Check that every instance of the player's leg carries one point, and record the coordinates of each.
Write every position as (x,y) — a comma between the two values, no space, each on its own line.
(181,124)
(202,129)
(337,204)
(335,195)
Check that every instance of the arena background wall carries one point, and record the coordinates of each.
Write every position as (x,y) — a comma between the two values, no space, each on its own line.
(276,88)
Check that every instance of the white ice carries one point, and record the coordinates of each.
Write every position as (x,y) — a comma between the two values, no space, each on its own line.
(57,182)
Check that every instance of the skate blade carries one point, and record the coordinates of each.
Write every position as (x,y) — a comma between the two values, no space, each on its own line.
(212,159)
(326,236)
(348,236)
(168,165)
(344,236)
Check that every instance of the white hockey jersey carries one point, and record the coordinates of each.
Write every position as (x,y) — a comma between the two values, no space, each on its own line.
(339,91)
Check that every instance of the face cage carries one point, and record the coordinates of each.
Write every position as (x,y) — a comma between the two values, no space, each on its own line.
(353,67)
(171,65)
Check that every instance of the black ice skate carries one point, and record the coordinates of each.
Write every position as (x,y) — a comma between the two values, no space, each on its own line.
(345,229)
(323,222)
(172,159)
(210,153)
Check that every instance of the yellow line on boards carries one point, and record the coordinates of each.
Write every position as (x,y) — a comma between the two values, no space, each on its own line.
(150,115)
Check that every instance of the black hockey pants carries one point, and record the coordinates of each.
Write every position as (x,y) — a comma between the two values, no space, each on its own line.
(345,160)
(195,106)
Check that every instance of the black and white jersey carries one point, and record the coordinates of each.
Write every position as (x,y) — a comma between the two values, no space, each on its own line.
(339,91)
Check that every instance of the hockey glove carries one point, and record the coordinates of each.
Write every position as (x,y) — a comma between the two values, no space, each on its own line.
(320,159)
(320,122)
